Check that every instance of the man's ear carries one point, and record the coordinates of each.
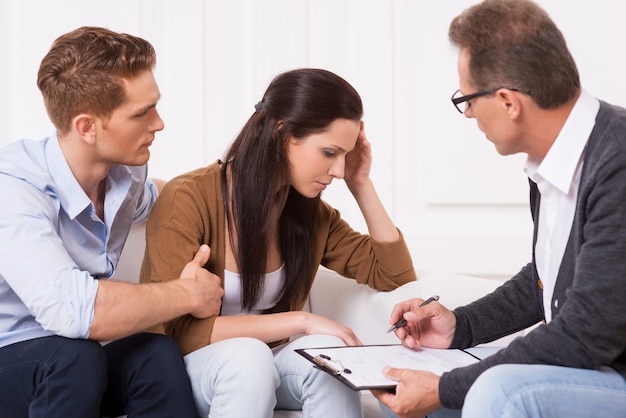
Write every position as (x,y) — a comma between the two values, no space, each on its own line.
(85,126)
(510,101)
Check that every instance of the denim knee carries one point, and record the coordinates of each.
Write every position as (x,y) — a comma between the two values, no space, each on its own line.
(251,358)
(147,377)
(76,358)
(78,367)
(248,361)
(489,394)
(229,376)
(491,383)
(159,350)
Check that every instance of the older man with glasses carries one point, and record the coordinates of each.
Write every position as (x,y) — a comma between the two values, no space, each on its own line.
(574,363)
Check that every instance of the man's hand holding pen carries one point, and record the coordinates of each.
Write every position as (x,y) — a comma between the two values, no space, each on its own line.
(402,321)
(417,322)
(428,323)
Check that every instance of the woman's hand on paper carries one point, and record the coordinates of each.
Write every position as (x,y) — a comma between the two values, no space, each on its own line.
(316,324)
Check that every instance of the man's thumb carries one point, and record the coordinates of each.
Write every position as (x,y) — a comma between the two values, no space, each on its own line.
(391,373)
(202,256)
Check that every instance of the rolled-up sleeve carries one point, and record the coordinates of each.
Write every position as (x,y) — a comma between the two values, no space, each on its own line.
(38,278)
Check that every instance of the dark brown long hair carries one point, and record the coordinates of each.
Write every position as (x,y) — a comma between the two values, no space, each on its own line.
(296,104)
(515,43)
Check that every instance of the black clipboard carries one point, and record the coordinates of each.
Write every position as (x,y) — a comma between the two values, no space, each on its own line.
(326,364)
(360,367)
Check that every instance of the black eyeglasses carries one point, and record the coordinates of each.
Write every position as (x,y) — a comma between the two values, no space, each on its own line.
(457,100)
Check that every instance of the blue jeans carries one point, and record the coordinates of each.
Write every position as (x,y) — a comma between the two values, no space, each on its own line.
(440,413)
(141,376)
(525,391)
(514,390)
(243,377)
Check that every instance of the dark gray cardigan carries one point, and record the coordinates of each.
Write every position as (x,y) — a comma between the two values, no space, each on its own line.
(588,328)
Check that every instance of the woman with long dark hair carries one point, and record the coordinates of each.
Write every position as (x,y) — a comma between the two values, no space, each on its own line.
(261,213)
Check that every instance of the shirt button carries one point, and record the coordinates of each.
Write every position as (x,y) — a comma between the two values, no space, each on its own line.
(556,303)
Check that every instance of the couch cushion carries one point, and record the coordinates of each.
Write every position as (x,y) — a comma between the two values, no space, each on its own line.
(367,311)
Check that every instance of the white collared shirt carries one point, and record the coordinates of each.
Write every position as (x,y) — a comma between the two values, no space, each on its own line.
(558,178)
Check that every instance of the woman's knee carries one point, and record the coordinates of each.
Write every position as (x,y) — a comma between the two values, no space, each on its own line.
(247,359)
(228,376)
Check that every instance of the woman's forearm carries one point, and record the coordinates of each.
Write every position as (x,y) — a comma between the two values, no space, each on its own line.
(381,227)
(267,328)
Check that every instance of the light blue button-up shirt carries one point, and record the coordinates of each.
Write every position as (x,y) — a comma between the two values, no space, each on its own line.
(53,246)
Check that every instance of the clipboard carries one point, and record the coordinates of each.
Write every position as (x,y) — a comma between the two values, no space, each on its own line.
(360,367)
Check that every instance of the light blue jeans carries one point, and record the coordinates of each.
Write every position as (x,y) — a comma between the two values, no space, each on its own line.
(243,378)
(525,391)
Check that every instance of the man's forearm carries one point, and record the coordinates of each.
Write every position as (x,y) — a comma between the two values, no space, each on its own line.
(122,309)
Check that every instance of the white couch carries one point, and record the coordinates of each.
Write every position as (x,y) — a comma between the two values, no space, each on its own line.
(365,310)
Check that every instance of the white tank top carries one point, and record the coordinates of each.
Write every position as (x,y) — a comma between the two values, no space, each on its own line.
(272,287)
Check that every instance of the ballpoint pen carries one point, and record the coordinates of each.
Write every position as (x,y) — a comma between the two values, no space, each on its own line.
(402,322)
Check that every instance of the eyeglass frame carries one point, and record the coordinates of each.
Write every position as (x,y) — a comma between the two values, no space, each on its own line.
(456,101)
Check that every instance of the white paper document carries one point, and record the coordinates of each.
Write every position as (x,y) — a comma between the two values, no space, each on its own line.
(360,367)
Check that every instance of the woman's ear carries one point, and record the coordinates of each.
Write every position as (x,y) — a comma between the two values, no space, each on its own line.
(279,127)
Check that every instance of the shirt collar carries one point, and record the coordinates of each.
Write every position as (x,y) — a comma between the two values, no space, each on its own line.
(73,198)
(560,163)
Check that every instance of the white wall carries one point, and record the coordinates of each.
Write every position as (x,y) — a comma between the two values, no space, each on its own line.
(461,206)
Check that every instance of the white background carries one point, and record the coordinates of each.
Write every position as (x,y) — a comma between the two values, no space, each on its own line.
(461,206)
